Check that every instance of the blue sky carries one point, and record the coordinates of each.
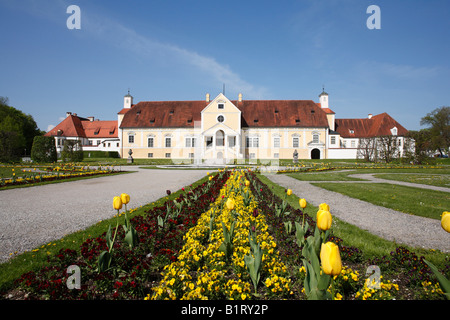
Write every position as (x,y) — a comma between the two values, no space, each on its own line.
(180,50)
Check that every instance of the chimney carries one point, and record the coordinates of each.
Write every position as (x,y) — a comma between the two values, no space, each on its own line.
(207,97)
(369,116)
(240,97)
(68,114)
(91,118)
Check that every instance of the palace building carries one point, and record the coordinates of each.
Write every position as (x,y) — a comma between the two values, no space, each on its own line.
(221,130)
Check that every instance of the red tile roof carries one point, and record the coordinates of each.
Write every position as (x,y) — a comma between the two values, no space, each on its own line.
(100,129)
(74,126)
(378,125)
(255,113)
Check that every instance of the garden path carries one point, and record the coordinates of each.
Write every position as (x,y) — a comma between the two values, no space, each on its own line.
(371,179)
(33,216)
(386,223)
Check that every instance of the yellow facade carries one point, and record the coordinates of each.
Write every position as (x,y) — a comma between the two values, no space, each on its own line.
(219,137)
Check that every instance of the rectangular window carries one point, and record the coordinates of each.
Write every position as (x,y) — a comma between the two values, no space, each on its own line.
(276,142)
(130,139)
(188,142)
(353,143)
(150,155)
(167,155)
(276,155)
(252,156)
(209,142)
(150,142)
(191,155)
(252,142)
(315,138)
(333,140)
(231,141)
(295,142)
(168,143)
(220,105)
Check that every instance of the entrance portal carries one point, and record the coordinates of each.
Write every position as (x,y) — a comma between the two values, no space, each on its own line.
(315,154)
(219,158)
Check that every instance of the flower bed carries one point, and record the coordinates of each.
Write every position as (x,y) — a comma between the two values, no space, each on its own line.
(30,177)
(133,269)
(229,238)
(205,269)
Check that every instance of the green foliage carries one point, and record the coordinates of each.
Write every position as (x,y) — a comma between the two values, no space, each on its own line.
(72,151)
(101,154)
(17,131)
(227,245)
(439,122)
(44,149)
(253,260)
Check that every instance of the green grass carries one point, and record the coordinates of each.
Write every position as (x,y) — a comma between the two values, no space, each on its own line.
(416,201)
(325,176)
(438,180)
(400,173)
(371,245)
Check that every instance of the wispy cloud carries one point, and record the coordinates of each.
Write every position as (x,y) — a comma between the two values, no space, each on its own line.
(146,47)
(376,71)
(407,71)
(94,23)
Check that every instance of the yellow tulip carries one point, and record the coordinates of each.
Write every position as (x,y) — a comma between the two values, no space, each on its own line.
(230,204)
(330,259)
(125,198)
(324,206)
(324,219)
(289,192)
(247,183)
(302,203)
(117,203)
(445,221)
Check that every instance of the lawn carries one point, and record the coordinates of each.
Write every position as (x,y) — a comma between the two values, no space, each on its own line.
(438,180)
(417,201)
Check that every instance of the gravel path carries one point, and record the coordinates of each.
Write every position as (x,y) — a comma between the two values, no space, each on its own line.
(31,217)
(387,223)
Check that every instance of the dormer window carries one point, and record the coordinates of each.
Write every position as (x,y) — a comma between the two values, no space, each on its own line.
(351,131)
(171,112)
(394,131)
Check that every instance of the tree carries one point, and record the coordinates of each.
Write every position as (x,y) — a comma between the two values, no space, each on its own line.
(44,149)
(388,148)
(367,149)
(17,131)
(72,151)
(439,122)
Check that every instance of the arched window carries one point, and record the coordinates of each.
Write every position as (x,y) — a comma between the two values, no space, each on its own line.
(220,138)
